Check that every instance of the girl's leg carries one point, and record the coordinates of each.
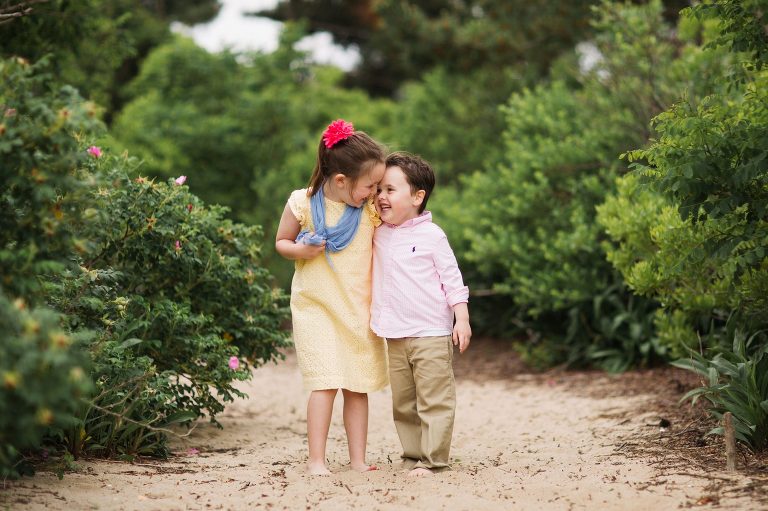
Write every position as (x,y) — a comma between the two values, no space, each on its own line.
(356,425)
(319,410)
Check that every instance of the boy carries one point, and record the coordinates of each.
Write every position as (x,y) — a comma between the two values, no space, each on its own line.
(417,292)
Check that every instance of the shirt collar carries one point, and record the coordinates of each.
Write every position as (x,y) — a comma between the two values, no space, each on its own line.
(424,217)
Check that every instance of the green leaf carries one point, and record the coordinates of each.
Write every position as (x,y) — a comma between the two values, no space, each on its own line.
(128,343)
(182,416)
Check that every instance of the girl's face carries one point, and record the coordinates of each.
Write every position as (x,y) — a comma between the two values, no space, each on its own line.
(365,186)
(395,201)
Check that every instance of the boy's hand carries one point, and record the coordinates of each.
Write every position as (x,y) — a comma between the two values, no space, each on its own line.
(462,333)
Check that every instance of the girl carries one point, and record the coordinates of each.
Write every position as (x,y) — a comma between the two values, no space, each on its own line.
(328,230)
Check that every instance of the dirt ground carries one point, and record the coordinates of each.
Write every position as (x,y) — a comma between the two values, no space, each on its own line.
(548,441)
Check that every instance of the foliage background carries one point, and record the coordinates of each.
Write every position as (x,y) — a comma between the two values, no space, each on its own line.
(601,176)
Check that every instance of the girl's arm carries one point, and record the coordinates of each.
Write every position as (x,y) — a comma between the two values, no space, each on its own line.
(285,239)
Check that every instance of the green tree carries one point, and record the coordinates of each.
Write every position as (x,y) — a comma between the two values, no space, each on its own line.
(742,27)
(245,134)
(400,40)
(454,120)
(96,45)
(531,225)
(701,251)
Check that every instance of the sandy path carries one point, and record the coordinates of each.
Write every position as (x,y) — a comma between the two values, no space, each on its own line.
(524,442)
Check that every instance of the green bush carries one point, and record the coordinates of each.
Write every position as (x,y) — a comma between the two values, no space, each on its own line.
(248,131)
(741,25)
(37,185)
(43,367)
(169,294)
(700,248)
(700,244)
(529,221)
(43,376)
(131,409)
(174,291)
(456,136)
(647,236)
(736,381)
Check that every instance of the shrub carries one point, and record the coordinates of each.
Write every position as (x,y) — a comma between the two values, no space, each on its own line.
(174,291)
(168,293)
(736,381)
(247,131)
(43,368)
(530,220)
(701,250)
(43,373)
(689,225)
(39,154)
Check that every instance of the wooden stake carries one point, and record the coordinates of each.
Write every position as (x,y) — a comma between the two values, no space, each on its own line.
(730,442)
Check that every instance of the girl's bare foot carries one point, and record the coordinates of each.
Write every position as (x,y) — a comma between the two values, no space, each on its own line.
(317,469)
(364,468)
(419,472)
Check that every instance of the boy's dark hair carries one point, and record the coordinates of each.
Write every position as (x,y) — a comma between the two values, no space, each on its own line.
(418,172)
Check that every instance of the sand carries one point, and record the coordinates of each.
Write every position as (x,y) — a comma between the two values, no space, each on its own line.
(521,441)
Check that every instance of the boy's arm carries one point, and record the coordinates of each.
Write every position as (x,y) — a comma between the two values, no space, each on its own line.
(456,293)
(462,332)
(285,239)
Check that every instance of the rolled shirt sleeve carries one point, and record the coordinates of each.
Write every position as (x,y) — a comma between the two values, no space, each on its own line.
(450,275)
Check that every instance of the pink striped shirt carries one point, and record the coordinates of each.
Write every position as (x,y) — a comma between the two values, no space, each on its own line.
(416,280)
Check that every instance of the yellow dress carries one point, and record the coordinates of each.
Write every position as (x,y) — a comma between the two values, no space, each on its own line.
(330,307)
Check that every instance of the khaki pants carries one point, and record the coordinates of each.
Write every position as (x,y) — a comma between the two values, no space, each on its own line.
(423,397)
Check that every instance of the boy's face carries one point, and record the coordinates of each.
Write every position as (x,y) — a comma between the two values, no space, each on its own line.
(395,202)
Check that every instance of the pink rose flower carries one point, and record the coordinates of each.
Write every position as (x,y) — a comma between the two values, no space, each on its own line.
(94,151)
(180,180)
(177,246)
(337,131)
(234,363)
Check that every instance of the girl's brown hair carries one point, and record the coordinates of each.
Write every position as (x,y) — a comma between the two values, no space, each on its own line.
(353,157)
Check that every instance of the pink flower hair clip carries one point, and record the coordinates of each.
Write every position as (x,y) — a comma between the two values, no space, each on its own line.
(337,131)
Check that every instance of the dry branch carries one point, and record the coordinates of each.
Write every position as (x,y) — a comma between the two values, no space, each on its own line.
(10,12)
(730,442)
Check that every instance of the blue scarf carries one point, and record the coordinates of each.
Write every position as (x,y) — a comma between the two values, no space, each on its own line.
(337,237)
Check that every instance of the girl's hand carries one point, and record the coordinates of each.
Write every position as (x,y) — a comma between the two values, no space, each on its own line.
(306,251)
(285,243)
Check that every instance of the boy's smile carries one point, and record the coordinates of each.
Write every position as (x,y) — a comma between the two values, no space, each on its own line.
(395,200)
